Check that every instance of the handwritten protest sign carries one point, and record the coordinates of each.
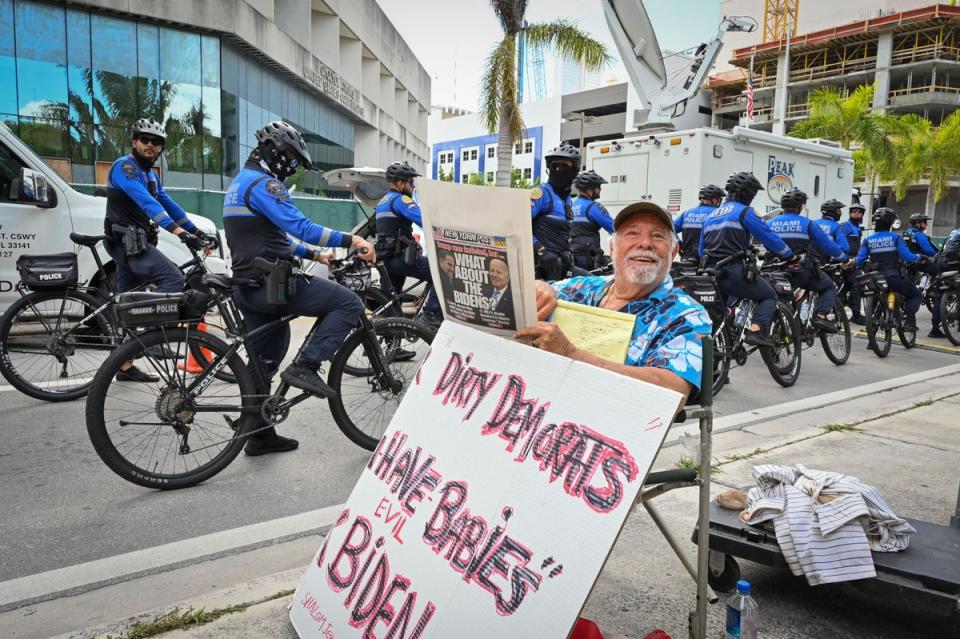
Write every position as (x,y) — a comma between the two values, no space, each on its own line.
(490,505)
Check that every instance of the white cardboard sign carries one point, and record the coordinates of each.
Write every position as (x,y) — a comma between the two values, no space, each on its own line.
(492,501)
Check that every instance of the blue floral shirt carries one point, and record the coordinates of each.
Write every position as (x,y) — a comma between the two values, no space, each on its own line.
(668,328)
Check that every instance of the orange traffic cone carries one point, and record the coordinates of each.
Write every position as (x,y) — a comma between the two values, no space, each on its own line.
(193,366)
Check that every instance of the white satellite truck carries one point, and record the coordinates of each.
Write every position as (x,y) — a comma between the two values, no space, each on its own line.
(37,221)
(668,167)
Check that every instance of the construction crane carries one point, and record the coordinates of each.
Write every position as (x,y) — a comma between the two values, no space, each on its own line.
(777,15)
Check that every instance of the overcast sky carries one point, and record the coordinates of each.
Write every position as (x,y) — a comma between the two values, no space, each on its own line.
(452,38)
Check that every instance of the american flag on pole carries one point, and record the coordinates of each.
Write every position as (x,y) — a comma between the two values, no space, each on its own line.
(750,93)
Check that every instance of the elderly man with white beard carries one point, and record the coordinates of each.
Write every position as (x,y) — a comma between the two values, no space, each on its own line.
(665,347)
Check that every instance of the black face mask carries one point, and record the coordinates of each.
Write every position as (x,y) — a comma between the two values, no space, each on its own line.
(561,178)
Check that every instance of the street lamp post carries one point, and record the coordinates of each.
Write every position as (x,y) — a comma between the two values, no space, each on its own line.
(583,118)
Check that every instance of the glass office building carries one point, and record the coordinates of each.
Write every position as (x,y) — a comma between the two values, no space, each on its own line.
(72,82)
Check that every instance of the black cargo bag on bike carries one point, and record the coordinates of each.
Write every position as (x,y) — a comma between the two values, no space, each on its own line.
(781,284)
(871,283)
(48,271)
(144,309)
(701,288)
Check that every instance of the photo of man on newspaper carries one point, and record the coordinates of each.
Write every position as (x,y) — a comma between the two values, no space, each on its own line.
(475,278)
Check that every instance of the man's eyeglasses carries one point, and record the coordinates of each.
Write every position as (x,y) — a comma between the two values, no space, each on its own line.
(150,140)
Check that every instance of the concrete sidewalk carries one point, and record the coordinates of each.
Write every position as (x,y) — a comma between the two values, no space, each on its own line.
(905,441)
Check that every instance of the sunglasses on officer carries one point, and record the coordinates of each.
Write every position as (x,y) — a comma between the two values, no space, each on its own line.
(150,140)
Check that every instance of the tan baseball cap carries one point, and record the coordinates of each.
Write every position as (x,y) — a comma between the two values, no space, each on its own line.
(643,207)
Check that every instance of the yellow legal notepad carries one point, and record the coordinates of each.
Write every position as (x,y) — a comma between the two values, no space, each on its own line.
(603,332)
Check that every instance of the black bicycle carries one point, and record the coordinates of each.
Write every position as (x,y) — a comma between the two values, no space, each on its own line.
(949,282)
(836,343)
(187,427)
(55,337)
(884,312)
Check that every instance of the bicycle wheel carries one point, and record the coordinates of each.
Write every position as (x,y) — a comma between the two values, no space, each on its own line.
(214,324)
(53,342)
(364,405)
(836,346)
(151,433)
(950,316)
(722,352)
(907,338)
(879,331)
(783,360)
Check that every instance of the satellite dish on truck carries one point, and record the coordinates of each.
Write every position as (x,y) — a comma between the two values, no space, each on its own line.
(637,43)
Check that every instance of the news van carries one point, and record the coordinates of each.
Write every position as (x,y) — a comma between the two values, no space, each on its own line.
(38,210)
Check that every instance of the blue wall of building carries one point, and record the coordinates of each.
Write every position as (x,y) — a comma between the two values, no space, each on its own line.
(481,141)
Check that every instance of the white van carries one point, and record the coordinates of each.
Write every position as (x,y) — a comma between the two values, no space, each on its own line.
(36,220)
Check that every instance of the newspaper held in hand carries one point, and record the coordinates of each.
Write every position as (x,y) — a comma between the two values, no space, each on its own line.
(475,278)
(480,244)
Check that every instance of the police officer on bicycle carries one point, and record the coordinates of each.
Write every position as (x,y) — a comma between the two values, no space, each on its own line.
(887,250)
(396,213)
(689,224)
(727,232)
(552,213)
(918,243)
(802,235)
(258,217)
(589,216)
(853,233)
(136,205)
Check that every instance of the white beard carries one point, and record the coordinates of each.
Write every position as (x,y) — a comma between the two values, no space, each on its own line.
(642,273)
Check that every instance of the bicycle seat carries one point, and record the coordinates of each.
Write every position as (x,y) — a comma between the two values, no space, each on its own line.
(223,283)
(87,240)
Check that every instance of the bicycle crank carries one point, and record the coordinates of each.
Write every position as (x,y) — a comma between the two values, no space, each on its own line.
(275,409)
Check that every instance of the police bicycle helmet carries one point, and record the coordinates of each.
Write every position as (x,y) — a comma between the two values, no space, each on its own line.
(916,218)
(564,152)
(588,180)
(277,141)
(884,218)
(400,171)
(148,126)
(856,206)
(711,192)
(743,187)
(793,200)
(831,209)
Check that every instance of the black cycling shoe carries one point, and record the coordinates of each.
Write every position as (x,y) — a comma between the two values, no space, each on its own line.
(824,324)
(431,320)
(757,338)
(271,444)
(910,326)
(307,379)
(936,333)
(134,374)
(859,320)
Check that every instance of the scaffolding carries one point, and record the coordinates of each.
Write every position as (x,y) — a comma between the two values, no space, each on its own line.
(777,14)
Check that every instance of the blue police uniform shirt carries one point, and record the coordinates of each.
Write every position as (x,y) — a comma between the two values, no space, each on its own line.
(551,220)
(833,230)
(262,229)
(689,225)
(918,242)
(135,197)
(589,216)
(887,250)
(728,229)
(668,327)
(800,234)
(396,214)
(853,233)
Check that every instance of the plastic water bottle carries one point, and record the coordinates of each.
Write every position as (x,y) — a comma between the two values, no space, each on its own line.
(742,613)
(741,317)
(804,310)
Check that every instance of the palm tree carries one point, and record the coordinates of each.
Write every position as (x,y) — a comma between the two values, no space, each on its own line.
(852,121)
(498,92)
(925,152)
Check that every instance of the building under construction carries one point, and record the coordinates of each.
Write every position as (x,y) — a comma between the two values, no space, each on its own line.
(912,57)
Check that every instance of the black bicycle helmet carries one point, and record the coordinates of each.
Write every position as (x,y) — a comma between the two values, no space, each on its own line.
(564,151)
(743,187)
(916,218)
(793,200)
(588,180)
(400,171)
(148,126)
(276,141)
(831,209)
(884,218)
(856,206)
(711,192)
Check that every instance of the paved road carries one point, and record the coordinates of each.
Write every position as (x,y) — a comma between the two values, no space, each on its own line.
(62,506)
